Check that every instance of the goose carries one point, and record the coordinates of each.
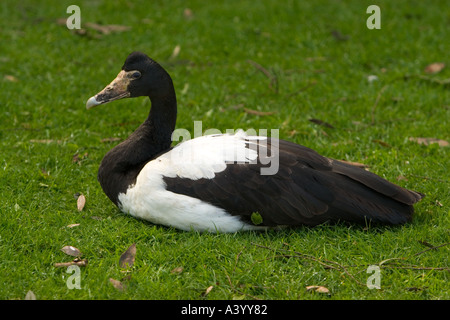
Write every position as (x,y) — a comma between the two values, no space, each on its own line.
(215,183)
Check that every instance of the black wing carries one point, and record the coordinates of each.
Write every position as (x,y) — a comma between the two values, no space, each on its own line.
(308,189)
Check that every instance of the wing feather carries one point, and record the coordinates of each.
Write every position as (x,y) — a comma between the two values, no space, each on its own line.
(307,189)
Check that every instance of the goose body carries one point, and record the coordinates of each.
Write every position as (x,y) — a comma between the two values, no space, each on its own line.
(194,160)
(217,183)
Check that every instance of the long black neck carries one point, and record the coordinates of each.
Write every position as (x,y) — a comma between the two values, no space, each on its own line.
(121,165)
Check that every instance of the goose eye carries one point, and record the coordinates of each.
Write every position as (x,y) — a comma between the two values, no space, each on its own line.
(136,75)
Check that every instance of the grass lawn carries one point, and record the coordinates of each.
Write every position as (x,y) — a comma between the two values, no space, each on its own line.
(235,64)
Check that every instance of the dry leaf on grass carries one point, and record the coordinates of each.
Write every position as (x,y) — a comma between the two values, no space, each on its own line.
(382,143)
(188,14)
(176,52)
(428,141)
(434,67)
(177,270)
(10,78)
(117,284)
(127,258)
(46,141)
(75,262)
(110,140)
(30,295)
(106,28)
(81,201)
(72,225)
(207,291)
(71,251)
(371,78)
(259,113)
(97,31)
(100,28)
(319,289)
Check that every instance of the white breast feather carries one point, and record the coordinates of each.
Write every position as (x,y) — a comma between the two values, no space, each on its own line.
(194,159)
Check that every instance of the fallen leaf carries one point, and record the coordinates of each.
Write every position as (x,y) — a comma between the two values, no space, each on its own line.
(177,270)
(107,28)
(61,21)
(319,289)
(81,201)
(127,258)
(110,140)
(86,33)
(322,123)
(434,67)
(117,284)
(47,141)
(71,251)
(372,78)
(95,30)
(428,141)
(207,291)
(11,78)
(382,143)
(75,262)
(30,295)
(292,133)
(188,14)
(185,89)
(259,113)
(439,204)
(72,225)
(176,52)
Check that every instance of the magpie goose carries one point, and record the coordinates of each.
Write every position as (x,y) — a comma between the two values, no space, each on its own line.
(215,183)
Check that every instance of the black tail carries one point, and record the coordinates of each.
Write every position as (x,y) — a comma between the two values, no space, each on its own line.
(361,195)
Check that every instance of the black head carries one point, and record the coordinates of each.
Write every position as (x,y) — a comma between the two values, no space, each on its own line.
(140,76)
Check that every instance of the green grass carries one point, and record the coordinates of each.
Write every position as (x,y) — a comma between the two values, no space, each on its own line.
(47,73)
